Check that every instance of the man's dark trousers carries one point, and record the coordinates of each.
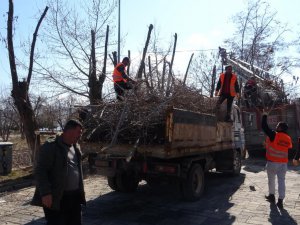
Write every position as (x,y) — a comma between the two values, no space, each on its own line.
(69,213)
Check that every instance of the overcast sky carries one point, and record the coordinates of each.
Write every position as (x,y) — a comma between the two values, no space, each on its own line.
(199,24)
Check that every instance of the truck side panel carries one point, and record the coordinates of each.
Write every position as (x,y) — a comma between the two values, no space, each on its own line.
(189,133)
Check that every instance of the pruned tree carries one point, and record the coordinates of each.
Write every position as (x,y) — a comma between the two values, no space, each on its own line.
(20,88)
(203,72)
(142,63)
(77,39)
(156,63)
(170,75)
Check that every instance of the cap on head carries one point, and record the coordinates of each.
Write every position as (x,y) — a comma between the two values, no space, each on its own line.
(126,59)
(227,66)
(283,126)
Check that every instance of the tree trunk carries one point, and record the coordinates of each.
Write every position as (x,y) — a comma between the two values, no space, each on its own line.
(128,67)
(114,59)
(103,74)
(213,81)
(163,77)
(94,93)
(150,72)
(142,65)
(20,88)
(187,69)
(169,84)
(23,104)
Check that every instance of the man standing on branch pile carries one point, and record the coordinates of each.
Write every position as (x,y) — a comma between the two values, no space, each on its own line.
(121,80)
(227,88)
(278,143)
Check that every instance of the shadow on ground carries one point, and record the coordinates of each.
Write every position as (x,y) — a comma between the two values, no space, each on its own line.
(256,164)
(164,206)
(279,217)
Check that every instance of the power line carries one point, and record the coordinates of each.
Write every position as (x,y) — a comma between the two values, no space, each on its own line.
(188,50)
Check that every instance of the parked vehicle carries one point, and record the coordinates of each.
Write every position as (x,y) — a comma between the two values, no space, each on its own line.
(194,143)
(254,136)
(269,93)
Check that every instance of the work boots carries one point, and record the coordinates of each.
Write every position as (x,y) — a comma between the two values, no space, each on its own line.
(270,198)
(280,203)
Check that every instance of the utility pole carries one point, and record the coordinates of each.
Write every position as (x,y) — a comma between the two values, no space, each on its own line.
(119,25)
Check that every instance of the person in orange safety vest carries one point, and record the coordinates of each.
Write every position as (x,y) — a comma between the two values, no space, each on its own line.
(227,88)
(121,80)
(278,143)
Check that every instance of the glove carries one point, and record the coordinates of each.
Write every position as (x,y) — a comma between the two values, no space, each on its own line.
(295,162)
(216,93)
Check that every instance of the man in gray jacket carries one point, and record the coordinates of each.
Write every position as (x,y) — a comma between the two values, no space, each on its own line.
(59,179)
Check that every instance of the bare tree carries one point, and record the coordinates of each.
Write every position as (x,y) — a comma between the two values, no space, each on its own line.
(156,64)
(202,72)
(75,59)
(259,36)
(170,75)
(20,89)
(9,119)
(142,64)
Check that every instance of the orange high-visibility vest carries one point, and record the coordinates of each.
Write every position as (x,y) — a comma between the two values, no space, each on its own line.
(232,83)
(277,151)
(117,75)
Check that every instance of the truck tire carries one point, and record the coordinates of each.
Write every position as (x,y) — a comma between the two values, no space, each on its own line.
(153,182)
(111,181)
(126,181)
(193,185)
(236,163)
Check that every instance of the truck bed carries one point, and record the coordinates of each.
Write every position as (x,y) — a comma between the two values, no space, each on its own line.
(186,133)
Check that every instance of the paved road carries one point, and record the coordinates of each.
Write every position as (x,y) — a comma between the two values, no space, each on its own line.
(227,200)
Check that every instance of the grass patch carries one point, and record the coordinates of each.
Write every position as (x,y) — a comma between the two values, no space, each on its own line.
(16,174)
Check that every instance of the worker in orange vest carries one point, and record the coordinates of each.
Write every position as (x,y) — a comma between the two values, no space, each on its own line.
(278,143)
(121,80)
(227,88)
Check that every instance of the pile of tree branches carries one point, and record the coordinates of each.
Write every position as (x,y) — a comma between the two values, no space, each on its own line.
(141,115)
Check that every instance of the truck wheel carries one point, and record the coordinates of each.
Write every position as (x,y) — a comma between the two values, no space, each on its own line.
(193,186)
(237,163)
(112,183)
(153,182)
(126,181)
